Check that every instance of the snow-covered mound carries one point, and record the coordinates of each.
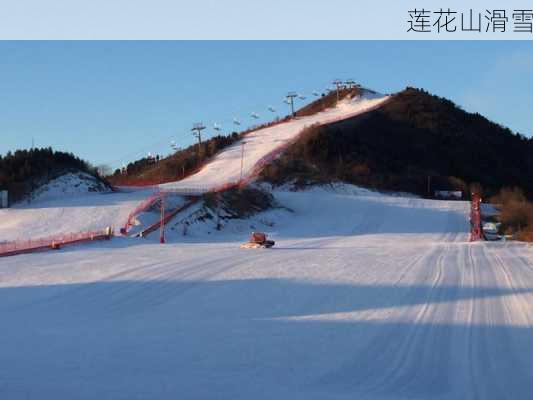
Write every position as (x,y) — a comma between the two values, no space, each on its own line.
(68,185)
(226,166)
(337,209)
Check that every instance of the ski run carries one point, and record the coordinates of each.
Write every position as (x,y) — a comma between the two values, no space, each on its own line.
(225,168)
(365,296)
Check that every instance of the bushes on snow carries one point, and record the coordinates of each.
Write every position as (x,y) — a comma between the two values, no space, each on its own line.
(516,213)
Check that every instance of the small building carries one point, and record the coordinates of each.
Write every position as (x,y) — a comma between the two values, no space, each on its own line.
(4,200)
(448,194)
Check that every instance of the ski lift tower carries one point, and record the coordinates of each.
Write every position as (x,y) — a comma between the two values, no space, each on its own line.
(350,83)
(338,84)
(197,129)
(290,100)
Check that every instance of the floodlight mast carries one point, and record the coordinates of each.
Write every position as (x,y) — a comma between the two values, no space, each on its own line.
(290,99)
(337,83)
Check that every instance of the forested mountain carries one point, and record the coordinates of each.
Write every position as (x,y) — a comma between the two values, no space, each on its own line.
(416,142)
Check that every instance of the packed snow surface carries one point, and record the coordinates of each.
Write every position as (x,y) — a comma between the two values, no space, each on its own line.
(226,166)
(364,296)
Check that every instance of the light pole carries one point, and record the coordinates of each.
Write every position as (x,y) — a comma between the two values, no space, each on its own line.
(337,83)
(162,223)
(242,160)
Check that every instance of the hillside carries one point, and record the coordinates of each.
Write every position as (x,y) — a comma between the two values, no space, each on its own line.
(186,162)
(415,142)
(413,138)
(243,160)
(24,171)
(69,185)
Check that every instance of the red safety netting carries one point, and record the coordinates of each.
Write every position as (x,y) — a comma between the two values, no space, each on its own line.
(145,205)
(52,242)
(167,217)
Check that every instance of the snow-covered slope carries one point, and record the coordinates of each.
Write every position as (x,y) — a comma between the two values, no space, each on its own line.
(66,209)
(75,202)
(226,166)
(365,296)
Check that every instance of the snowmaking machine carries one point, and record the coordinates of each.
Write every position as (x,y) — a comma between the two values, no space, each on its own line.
(258,240)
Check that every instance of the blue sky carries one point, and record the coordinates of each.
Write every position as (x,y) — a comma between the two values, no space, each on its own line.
(112,102)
